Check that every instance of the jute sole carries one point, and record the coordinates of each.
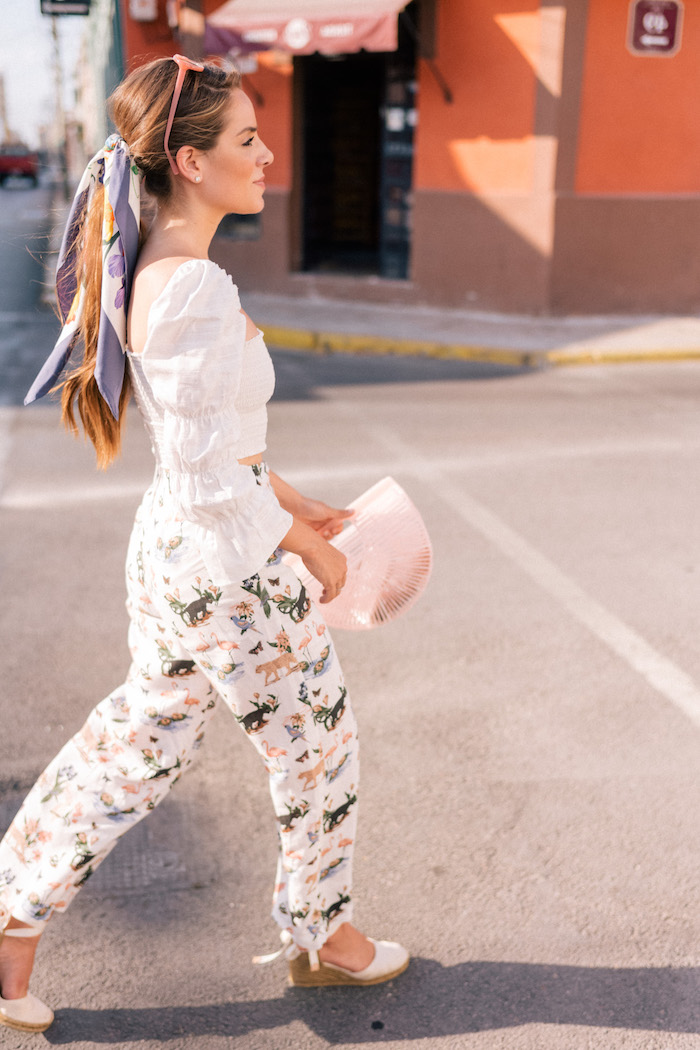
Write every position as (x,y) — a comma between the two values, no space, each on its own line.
(302,977)
(24,1026)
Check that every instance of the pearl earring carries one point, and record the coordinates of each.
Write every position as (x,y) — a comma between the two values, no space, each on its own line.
(198,178)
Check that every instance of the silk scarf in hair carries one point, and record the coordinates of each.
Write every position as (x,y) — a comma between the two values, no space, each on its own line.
(113,167)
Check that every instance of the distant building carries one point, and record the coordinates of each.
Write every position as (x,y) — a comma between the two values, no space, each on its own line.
(543,160)
(6,132)
(99,69)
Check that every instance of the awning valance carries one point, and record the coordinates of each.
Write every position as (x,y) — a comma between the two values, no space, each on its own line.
(303,26)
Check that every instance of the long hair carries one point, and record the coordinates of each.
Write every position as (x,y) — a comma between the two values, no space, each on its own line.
(139,109)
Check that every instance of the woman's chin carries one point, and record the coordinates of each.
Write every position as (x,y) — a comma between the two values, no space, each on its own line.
(252,208)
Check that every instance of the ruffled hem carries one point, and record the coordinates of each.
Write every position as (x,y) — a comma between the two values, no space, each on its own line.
(237,528)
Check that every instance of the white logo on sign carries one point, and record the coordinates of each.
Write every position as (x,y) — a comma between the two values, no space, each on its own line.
(655,23)
(297,33)
(337,29)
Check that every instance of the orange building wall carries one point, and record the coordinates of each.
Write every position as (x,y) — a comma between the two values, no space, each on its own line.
(482,141)
(639,130)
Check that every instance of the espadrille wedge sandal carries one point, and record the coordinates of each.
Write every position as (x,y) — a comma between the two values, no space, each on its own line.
(306,970)
(27,1014)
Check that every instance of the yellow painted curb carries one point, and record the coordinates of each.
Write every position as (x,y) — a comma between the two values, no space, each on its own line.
(620,356)
(343,343)
(289,338)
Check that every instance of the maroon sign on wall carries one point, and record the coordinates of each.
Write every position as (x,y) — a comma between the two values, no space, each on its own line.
(655,27)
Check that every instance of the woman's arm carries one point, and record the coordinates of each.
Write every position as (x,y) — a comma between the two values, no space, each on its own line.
(315,522)
(327,564)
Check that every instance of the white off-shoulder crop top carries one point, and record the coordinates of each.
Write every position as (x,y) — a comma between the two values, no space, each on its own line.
(202,390)
(256,387)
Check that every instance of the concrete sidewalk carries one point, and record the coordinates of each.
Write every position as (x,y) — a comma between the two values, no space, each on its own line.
(325,326)
(320,325)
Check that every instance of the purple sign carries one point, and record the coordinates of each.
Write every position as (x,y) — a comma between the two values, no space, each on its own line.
(655,27)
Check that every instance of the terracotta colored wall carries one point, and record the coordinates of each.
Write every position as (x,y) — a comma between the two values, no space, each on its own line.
(626,254)
(483,140)
(639,127)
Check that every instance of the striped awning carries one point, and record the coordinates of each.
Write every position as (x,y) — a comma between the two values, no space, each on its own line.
(301,27)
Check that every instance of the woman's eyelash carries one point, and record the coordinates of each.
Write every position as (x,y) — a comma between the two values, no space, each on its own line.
(250,141)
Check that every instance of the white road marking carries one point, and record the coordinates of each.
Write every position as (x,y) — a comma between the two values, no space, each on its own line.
(661,673)
(68,496)
(105,489)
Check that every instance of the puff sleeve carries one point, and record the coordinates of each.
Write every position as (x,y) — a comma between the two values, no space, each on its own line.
(191,369)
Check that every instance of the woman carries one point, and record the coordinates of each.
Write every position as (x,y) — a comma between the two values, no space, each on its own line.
(214,612)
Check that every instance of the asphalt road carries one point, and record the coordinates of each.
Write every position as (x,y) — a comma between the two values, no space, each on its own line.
(530,730)
(26,326)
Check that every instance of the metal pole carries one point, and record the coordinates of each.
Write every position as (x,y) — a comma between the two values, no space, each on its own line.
(60,111)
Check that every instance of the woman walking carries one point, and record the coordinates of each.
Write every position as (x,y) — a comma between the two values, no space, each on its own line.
(214,611)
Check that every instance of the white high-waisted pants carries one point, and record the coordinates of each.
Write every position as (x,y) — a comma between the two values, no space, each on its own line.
(263,647)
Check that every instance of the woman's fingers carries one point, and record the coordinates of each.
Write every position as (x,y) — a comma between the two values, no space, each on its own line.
(327,520)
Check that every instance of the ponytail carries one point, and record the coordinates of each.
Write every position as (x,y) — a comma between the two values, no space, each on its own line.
(80,385)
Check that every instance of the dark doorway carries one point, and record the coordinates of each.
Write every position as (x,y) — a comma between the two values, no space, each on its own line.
(341,132)
(355,138)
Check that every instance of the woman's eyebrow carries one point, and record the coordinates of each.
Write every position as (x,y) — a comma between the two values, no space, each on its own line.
(246,130)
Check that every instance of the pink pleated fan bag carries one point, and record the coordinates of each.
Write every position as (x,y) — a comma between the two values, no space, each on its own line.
(389,560)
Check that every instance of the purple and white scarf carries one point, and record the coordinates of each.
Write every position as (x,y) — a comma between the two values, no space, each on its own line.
(113,167)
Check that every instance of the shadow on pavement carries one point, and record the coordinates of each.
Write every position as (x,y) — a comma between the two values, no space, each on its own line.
(26,343)
(300,375)
(429,1001)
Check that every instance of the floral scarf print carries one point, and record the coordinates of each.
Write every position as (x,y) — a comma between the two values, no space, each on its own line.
(112,167)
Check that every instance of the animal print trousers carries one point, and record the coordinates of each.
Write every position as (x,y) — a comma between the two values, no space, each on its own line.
(263,647)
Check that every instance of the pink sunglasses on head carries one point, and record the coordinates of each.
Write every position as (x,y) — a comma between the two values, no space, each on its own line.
(183,64)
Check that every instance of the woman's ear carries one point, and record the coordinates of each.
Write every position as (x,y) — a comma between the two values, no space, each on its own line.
(187,160)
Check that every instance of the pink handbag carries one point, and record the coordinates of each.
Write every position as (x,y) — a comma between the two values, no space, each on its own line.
(389,560)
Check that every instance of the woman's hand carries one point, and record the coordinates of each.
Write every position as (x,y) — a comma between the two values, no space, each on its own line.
(322,560)
(328,521)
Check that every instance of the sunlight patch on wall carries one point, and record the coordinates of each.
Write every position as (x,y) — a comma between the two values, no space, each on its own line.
(495,165)
(539,37)
(513,179)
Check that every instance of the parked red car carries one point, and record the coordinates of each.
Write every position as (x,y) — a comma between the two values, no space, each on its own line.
(18,160)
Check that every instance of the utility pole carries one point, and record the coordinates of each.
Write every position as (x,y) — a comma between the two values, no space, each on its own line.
(60,111)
